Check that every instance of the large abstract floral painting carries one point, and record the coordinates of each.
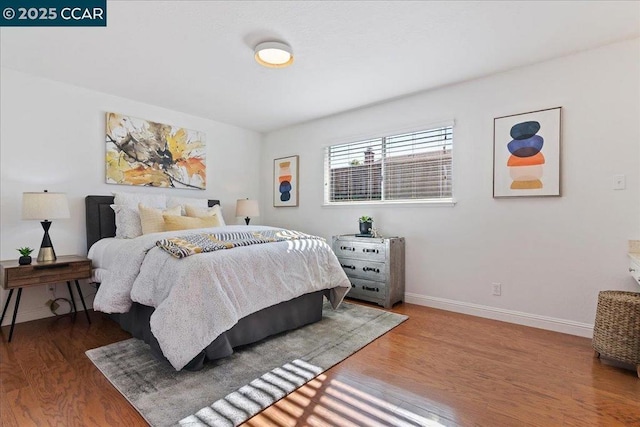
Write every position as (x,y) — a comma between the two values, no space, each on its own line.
(142,152)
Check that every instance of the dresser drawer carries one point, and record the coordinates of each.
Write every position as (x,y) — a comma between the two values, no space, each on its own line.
(367,290)
(364,269)
(44,274)
(372,251)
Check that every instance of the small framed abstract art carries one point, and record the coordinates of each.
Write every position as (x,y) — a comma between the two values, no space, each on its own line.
(526,154)
(285,181)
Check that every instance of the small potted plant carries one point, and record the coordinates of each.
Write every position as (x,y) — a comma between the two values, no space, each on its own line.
(366,223)
(25,253)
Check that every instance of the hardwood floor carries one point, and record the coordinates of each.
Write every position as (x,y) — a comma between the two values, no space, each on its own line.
(437,368)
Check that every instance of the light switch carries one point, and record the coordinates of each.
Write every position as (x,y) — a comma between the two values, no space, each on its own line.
(619,182)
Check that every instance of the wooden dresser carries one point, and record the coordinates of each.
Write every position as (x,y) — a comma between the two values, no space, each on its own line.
(374,265)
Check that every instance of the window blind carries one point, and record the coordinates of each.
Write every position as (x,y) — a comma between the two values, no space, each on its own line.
(413,166)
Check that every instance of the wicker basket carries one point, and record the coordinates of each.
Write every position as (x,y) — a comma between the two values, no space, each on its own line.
(616,333)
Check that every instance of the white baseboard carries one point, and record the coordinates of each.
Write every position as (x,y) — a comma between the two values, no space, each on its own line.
(26,315)
(511,316)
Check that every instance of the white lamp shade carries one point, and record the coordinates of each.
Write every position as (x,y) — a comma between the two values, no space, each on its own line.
(44,205)
(247,208)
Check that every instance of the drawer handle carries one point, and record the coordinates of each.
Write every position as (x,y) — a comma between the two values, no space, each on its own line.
(375,270)
(366,288)
(347,248)
(352,267)
(42,267)
(371,250)
(631,270)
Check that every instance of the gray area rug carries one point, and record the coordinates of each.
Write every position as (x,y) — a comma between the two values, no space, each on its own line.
(231,390)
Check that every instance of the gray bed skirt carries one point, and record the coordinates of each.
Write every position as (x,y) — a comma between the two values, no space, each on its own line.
(272,320)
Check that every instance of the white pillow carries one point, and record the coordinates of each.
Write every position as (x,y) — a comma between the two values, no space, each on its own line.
(128,223)
(133,199)
(197,212)
(151,218)
(183,201)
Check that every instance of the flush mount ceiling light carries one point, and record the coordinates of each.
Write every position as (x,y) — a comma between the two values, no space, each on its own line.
(274,54)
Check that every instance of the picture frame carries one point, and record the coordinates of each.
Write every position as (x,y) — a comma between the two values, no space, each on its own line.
(285,181)
(151,154)
(526,154)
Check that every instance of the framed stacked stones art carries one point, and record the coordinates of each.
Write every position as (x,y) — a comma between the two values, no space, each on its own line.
(526,154)
(285,181)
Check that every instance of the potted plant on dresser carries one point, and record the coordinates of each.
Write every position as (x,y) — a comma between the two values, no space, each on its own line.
(366,223)
(25,255)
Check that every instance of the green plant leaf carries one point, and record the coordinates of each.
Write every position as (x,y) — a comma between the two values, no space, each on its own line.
(25,251)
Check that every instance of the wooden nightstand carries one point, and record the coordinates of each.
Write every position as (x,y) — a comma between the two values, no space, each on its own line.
(64,269)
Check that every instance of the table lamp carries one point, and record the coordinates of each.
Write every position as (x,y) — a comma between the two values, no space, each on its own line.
(45,206)
(247,208)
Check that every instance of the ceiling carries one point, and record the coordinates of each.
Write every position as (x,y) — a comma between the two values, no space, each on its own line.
(197,56)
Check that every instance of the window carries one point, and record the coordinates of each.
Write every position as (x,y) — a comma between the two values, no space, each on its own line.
(414,166)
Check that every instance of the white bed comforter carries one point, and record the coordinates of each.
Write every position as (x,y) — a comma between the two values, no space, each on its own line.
(199,297)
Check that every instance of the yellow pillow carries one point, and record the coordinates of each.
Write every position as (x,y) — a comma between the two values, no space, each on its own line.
(198,212)
(151,218)
(177,222)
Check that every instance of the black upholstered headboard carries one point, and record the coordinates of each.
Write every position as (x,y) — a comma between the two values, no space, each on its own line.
(101,219)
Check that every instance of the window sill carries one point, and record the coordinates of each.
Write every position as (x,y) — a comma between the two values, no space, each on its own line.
(399,203)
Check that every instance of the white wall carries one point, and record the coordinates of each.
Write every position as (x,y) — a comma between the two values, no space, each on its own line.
(552,255)
(52,137)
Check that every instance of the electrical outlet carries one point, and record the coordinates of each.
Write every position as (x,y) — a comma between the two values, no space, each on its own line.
(619,182)
(496,289)
(51,288)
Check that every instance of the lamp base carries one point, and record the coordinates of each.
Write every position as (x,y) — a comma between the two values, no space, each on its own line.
(46,254)
(247,219)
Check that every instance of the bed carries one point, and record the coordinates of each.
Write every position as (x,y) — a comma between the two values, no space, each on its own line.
(201,307)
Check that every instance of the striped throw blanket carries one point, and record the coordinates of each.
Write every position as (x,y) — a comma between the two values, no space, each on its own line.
(184,246)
